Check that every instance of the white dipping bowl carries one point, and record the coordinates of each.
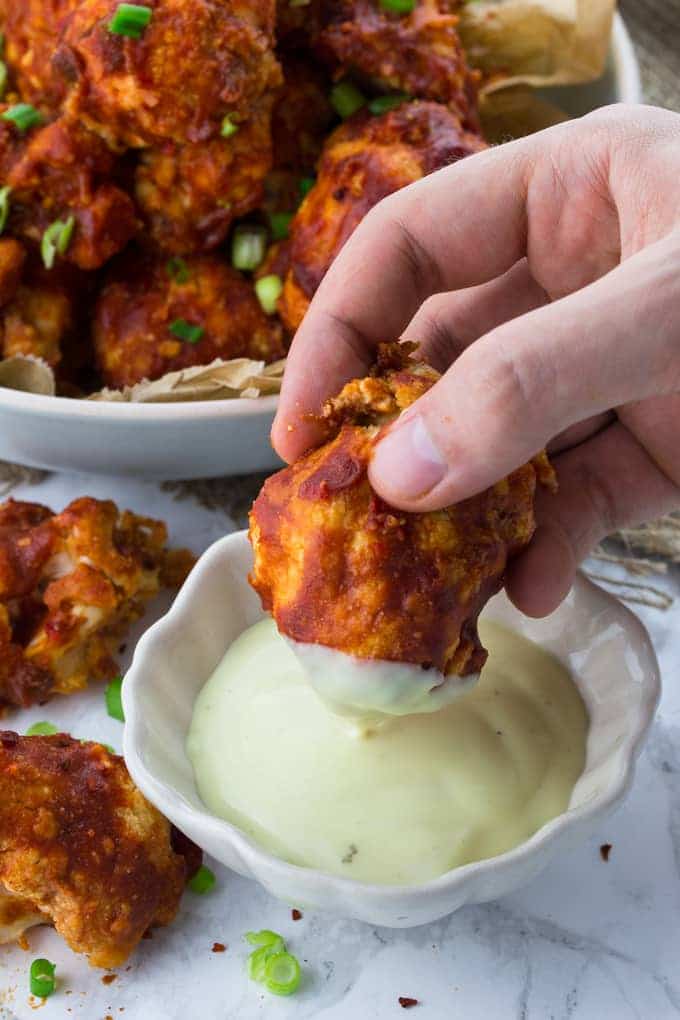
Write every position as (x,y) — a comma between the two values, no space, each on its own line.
(603,644)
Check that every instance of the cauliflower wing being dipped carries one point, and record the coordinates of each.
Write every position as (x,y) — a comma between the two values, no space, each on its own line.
(364,160)
(340,569)
(194,63)
(82,849)
(417,53)
(150,319)
(70,585)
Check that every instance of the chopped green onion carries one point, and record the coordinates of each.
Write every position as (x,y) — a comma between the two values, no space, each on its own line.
(265,938)
(23,116)
(306,184)
(41,729)
(381,104)
(130,20)
(268,290)
(42,978)
(228,127)
(398,6)
(203,880)
(346,99)
(56,240)
(3,78)
(4,206)
(282,974)
(114,701)
(189,332)
(248,246)
(280,222)
(177,269)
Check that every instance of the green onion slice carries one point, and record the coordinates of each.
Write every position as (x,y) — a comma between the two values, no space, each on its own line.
(346,99)
(306,184)
(23,116)
(265,938)
(268,290)
(248,246)
(4,206)
(203,881)
(381,104)
(189,332)
(177,269)
(3,77)
(228,127)
(114,701)
(282,974)
(41,729)
(398,6)
(130,20)
(56,239)
(42,978)
(280,223)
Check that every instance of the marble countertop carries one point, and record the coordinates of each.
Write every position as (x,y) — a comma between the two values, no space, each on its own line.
(587,940)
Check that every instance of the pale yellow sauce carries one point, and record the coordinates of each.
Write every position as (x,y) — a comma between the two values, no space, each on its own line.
(401,803)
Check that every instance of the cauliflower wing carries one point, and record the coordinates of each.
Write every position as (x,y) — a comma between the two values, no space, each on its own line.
(82,849)
(337,566)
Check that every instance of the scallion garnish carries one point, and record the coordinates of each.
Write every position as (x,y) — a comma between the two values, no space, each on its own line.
(248,246)
(346,99)
(177,269)
(282,974)
(381,104)
(130,20)
(203,881)
(398,6)
(306,184)
(23,116)
(41,729)
(4,206)
(56,239)
(268,290)
(189,332)
(270,964)
(42,980)
(114,700)
(280,222)
(228,127)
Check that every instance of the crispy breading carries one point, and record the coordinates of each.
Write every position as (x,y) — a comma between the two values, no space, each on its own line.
(12,259)
(337,566)
(141,299)
(364,160)
(82,847)
(189,195)
(32,29)
(419,53)
(196,62)
(61,170)
(70,585)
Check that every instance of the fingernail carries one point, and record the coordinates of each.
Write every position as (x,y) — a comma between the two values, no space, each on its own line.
(407,462)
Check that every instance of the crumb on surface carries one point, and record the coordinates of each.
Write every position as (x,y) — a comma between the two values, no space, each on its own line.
(296,914)
(605,851)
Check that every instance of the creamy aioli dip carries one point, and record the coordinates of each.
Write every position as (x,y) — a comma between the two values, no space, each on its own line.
(399,803)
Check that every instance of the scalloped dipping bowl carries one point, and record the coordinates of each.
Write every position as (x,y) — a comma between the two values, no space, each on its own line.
(603,644)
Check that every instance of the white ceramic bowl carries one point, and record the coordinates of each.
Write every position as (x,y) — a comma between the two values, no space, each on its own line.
(207,438)
(602,642)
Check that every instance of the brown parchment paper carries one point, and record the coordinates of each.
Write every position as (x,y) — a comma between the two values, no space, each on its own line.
(536,42)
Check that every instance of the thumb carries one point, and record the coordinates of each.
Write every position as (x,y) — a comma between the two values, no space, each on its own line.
(516,388)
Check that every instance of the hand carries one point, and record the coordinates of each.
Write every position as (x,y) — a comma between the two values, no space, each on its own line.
(555,265)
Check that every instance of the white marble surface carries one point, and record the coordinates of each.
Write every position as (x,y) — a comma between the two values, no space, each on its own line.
(587,940)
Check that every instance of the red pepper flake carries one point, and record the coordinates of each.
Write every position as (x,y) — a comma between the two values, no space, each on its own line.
(605,851)
(407,1003)
(296,914)
(219,947)
(108,979)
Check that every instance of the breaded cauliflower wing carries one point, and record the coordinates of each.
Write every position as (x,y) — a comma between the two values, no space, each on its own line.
(337,566)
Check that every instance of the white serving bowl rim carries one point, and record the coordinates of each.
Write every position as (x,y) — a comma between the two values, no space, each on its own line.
(196,822)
